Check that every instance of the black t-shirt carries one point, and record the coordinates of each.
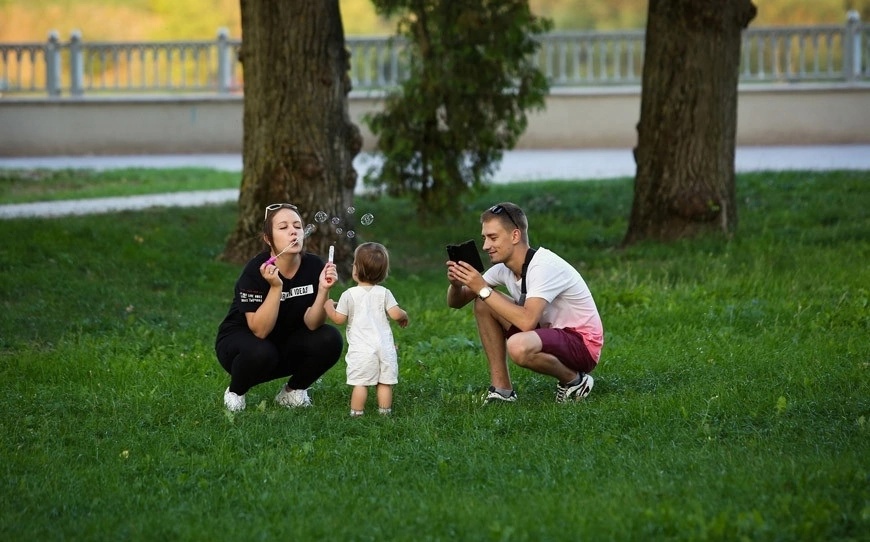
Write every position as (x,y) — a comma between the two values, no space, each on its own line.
(251,288)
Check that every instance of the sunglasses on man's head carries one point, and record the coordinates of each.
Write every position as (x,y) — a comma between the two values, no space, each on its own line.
(276,206)
(498,209)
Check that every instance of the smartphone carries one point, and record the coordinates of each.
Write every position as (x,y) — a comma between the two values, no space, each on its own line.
(466,252)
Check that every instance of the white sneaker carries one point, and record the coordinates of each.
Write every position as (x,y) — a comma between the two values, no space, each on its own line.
(293,398)
(233,401)
(492,396)
(575,390)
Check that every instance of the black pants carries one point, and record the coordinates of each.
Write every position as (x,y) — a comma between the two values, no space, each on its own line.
(304,356)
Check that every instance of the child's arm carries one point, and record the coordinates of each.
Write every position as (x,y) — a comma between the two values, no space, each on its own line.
(399,315)
(335,316)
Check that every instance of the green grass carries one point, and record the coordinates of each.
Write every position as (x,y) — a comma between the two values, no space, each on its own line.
(30,185)
(731,401)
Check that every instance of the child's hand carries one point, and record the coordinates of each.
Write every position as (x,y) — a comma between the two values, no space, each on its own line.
(329,307)
(403,321)
(398,315)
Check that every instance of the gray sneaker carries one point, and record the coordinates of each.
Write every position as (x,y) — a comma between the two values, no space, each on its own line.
(492,396)
(576,389)
(234,402)
(293,398)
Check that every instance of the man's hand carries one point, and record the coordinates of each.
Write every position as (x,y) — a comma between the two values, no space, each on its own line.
(457,296)
(463,274)
(451,275)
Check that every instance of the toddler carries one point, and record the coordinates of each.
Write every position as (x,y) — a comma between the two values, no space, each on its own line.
(371,353)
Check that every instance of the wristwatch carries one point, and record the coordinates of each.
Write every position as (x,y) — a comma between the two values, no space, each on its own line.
(484,292)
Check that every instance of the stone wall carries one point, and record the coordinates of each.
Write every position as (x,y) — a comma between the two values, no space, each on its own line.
(804,114)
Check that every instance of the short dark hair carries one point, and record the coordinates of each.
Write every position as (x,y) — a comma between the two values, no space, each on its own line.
(372,262)
(510,215)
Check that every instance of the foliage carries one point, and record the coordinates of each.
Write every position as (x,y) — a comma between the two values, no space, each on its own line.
(731,402)
(470,83)
(31,20)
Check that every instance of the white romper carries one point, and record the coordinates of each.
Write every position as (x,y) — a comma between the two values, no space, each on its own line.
(371,351)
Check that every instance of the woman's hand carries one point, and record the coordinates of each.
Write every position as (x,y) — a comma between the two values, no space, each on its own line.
(316,314)
(269,271)
(329,276)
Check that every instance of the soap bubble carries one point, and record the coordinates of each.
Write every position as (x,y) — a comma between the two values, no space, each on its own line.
(351,234)
(309,229)
(321,216)
(367,219)
(335,221)
(339,231)
(351,210)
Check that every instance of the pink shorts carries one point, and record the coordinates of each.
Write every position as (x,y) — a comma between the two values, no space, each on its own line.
(566,345)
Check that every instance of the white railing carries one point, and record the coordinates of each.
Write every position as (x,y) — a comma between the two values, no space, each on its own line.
(820,53)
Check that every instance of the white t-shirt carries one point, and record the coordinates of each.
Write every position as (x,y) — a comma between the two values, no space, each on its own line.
(569,301)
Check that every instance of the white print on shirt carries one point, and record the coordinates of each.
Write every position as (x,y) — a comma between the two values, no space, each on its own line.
(299,290)
(250,297)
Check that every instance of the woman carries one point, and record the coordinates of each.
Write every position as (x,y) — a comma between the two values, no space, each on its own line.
(275,327)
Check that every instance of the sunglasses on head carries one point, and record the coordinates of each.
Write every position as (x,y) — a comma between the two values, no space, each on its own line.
(276,206)
(498,209)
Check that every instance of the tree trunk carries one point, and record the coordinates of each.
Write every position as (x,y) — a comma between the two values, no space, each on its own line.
(685,183)
(299,142)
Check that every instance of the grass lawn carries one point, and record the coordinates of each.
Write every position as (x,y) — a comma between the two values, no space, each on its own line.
(30,185)
(730,403)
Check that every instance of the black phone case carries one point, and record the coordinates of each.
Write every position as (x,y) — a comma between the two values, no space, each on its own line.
(466,252)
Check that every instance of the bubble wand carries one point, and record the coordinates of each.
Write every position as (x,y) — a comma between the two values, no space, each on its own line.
(271,260)
(330,258)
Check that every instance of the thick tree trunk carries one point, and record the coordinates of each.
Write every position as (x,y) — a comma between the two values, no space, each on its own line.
(299,142)
(685,183)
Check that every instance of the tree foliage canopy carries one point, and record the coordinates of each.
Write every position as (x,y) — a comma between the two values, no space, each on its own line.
(470,82)
(22,20)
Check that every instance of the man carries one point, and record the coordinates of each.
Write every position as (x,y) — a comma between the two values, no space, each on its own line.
(547,323)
